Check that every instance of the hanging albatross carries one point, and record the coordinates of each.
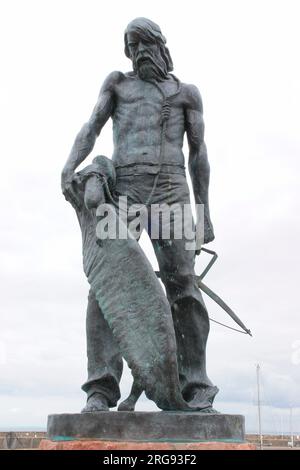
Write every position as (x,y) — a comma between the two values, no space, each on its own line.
(128,292)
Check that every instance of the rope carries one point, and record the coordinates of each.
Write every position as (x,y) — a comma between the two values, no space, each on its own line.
(165,115)
(229,327)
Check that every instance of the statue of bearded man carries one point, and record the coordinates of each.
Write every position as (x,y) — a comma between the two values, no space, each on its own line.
(150,169)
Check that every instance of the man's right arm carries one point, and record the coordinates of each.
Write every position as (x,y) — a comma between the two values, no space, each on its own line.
(85,140)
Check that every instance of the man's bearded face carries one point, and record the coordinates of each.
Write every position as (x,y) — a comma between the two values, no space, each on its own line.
(146,58)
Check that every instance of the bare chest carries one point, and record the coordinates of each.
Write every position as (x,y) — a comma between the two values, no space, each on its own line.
(139,101)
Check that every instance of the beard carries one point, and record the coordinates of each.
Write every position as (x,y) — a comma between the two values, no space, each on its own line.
(150,67)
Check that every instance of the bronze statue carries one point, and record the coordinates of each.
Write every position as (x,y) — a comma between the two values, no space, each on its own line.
(151,112)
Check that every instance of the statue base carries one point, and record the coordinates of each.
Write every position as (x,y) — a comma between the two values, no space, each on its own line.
(145,430)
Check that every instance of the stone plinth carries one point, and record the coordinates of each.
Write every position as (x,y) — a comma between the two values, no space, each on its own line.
(147,426)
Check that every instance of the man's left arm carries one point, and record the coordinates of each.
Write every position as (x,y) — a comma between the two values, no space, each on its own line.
(198,162)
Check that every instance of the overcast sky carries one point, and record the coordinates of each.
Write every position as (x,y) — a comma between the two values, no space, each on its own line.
(243,56)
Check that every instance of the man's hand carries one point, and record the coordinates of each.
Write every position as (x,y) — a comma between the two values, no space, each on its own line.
(209,235)
(67,187)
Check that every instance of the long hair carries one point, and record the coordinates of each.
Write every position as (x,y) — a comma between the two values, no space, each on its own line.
(149,30)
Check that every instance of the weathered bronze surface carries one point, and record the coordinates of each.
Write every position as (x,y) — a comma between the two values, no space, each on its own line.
(162,337)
